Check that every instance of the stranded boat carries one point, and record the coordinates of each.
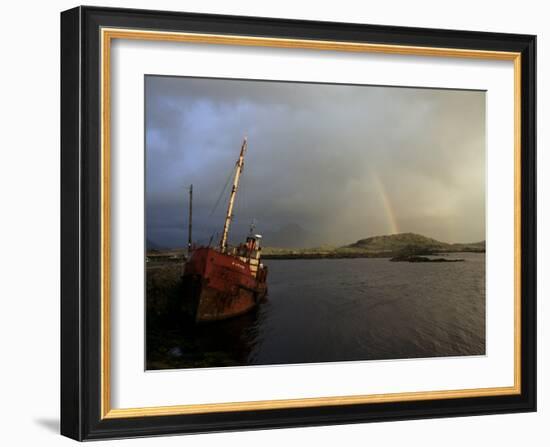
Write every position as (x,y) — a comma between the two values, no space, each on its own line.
(223,282)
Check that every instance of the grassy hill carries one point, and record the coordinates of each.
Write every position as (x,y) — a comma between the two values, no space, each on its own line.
(397,242)
(377,246)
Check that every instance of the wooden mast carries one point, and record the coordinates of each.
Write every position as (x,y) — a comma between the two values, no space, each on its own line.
(229,215)
(189,233)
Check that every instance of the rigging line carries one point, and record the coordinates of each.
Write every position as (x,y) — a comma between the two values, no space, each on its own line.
(222,192)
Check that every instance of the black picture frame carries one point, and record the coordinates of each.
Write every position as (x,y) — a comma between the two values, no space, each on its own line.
(81,223)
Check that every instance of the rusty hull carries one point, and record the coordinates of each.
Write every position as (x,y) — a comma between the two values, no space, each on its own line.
(218,286)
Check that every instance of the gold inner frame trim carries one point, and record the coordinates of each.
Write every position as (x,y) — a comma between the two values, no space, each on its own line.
(107,35)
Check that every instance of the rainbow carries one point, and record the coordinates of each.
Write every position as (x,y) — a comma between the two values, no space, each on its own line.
(386,202)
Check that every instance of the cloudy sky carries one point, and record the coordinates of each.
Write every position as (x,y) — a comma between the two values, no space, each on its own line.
(326,163)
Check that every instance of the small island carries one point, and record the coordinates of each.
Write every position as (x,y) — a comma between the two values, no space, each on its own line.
(413,258)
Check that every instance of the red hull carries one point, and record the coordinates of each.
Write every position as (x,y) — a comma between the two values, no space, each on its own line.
(219,286)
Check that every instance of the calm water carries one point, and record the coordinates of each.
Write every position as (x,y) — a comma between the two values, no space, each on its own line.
(343,309)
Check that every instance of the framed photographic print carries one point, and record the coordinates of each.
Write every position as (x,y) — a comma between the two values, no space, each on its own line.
(276,223)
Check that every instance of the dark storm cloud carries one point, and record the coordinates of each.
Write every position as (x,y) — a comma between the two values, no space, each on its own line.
(327,164)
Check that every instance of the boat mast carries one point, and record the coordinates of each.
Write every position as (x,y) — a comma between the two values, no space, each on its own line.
(229,215)
(189,233)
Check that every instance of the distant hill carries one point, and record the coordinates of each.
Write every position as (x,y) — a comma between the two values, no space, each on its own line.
(379,246)
(474,246)
(397,242)
(409,243)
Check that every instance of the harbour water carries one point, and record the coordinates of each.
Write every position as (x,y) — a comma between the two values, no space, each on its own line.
(326,310)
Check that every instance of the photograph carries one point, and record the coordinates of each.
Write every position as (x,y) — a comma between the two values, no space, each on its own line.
(296,222)
(272,221)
